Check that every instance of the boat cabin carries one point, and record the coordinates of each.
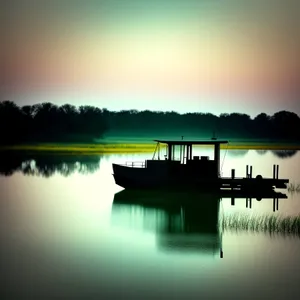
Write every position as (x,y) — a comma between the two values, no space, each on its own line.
(187,163)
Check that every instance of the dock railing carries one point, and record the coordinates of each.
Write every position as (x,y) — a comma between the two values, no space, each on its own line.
(136,164)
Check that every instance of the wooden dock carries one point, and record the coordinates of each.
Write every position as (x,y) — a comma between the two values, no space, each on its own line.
(249,183)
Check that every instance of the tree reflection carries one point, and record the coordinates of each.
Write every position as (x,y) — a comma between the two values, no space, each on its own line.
(261,152)
(284,153)
(48,165)
(237,153)
(9,164)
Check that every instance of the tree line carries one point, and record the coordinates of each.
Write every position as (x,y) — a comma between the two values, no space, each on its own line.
(47,122)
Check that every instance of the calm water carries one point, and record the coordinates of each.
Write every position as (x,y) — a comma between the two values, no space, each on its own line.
(64,237)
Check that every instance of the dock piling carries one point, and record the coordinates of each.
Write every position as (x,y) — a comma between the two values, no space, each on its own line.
(248,171)
(249,202)
(232,201)
(232,173)
(232,177)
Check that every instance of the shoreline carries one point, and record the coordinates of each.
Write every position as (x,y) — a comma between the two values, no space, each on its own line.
(115,148)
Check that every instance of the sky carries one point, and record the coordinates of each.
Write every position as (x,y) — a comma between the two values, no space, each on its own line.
(216,56)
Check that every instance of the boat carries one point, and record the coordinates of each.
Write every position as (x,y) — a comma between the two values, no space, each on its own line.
(188,171)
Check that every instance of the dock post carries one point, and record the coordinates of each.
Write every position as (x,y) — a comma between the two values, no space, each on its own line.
(232,177)
(232,201)
(250,171)
(274,199)
(274,166)
(221,253)
(277,203)
(277,171)
(232,173)
(247,171)
(249,202)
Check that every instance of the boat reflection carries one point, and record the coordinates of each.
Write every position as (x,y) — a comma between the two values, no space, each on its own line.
(192,226)
(198,229)
(182,221)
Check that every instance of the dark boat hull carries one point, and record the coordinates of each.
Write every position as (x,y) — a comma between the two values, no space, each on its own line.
(144,178)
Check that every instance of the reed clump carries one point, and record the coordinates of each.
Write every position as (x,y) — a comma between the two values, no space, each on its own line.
(293,187)
(287,225)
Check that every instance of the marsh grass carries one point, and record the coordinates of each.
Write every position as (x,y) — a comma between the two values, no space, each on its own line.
(84,148)
(129,147)
(293,187)
(232,146)
(289,225)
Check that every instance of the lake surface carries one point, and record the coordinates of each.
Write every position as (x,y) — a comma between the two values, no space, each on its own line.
(64,237)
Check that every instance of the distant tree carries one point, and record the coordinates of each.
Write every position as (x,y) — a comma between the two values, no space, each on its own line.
(68,116)
(286,125)
(11,119)
(91,122)
(262,126)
